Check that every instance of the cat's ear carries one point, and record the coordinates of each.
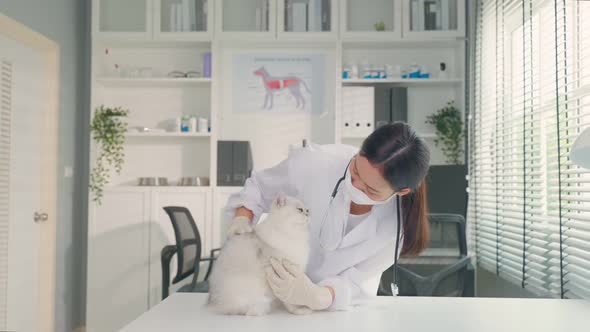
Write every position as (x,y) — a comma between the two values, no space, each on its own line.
(281,200)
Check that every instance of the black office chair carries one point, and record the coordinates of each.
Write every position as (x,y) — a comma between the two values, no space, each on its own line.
(443,269)
(188,252)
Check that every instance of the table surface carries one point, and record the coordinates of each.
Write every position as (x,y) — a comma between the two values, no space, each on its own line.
(186,312)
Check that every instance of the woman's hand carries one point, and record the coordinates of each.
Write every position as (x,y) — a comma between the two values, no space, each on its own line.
(290,285)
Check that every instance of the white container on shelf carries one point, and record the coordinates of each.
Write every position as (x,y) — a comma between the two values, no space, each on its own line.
(203,125)
(193,124)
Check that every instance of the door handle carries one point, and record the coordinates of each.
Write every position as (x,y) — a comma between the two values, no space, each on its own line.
(40,217)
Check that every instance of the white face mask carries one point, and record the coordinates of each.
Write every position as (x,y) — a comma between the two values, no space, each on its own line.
(358,196)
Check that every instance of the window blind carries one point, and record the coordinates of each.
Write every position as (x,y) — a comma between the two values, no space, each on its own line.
(529,206)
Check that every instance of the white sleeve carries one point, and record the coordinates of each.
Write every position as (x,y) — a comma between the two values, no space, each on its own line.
(358,284)
(261,188)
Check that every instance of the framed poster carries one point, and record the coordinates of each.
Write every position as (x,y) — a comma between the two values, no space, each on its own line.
(278,82)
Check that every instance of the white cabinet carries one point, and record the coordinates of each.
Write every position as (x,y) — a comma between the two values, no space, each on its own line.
(305,19)
(183,20)
(157,20)
(125,237)
(246,18)
(277,19)
(433,19)
(129,19)
(118,263)
(381,20)
(198,201)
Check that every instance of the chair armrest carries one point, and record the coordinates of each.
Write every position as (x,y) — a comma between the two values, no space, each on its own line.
(211,259)
(213,251)
(165,257)
(451,269)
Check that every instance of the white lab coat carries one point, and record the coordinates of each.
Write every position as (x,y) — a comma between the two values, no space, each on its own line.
(354,269)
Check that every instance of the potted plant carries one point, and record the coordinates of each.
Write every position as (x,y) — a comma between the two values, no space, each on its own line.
(447,183)
(108,131)
(379,26)
(449,132)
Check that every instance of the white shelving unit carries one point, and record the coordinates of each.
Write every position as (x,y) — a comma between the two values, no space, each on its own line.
(401,81)
(165,81)
(139,33)
(167,134)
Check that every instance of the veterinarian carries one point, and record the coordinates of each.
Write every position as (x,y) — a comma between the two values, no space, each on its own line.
(353,198)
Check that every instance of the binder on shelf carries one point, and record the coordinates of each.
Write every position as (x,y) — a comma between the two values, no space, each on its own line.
(234,163)
(382,106)
(178,17)
(358,104)
(391,105)
(299,17)
(444,14)
(399,104)
(172,23)
(429,15)
(421,13)
(324,15)
(186,15)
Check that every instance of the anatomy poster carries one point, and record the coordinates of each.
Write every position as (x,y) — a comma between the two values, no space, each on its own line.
(278,82)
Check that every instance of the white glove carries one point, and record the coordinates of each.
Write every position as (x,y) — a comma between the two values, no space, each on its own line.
(239,225)
(290,285)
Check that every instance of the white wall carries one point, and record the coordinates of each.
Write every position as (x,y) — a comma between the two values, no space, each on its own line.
(66,22)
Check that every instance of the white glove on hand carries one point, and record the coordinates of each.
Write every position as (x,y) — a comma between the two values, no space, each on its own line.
(239,225)
(290,285)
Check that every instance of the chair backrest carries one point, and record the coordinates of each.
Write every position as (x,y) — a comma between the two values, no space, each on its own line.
(447,235)
(447,247)
(188,240)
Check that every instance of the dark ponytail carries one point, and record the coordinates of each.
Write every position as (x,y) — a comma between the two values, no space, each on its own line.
(404,160)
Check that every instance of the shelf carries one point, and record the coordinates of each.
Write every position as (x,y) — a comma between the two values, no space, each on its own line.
(366,43)
(164,81)
(422,135)
(401,81)
(169,188)
(167,134)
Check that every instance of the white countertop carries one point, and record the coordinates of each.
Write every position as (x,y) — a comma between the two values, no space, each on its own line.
(184,312)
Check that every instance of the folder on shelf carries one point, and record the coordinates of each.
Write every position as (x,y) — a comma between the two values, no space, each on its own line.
(178,17)
(186,15)
(172,23)
(444,15)
(391,105)
(358,104)
(299,17)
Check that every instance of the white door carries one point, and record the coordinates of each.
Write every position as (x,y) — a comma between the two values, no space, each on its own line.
(24,99)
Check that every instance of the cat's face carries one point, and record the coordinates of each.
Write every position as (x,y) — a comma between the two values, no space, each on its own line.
(291,209)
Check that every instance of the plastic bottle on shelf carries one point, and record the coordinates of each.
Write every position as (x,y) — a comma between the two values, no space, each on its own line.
(193,124)
(185,124)
(414,71)
(365,69)
(203,125)
(424,73)
(346,72)
(177,125)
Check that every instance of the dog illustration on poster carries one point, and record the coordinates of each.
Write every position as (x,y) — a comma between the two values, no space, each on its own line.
(274,84)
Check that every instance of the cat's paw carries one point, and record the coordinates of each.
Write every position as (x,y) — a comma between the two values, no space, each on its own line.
(258,310)
(298,310)
(240,225)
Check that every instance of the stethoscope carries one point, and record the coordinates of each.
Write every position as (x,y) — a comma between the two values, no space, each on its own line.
(394,288)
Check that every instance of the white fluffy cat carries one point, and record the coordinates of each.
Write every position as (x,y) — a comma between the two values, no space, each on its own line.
(237,285)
